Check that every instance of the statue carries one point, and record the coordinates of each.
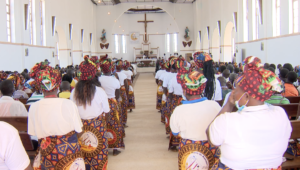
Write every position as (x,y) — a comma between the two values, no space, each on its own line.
(103,38)
(187,34)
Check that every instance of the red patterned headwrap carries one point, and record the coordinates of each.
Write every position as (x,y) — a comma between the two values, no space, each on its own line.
(258,82)
(48,80)
(95,60)
(126,64)
(200,58)
(106,64)
(38,67)
(87,69)
(119,64)
(191,81)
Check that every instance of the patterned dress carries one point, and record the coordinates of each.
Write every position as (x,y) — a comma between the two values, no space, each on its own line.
(131,102)
(124,105)
(220,166)
(159,97)
(59,153)
(167,112)
(114,126)
(197,155)
(175,140)
(94,144)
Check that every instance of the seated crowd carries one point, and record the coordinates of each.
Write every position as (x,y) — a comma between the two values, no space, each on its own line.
(75,116)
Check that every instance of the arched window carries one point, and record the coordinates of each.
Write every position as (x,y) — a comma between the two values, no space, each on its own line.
(255,18)
(175,40)
(42,26)
(8,20)
(276,17)
(31,7)
(294,13)
(245,20)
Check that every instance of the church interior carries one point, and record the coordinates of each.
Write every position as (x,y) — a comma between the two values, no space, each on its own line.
(183,84)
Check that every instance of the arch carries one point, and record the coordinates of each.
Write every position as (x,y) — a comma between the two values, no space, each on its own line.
(205,43)
(227,42)
(215,45)
(62,43)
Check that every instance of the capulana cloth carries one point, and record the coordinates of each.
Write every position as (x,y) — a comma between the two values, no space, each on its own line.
(87,69)
(48,80)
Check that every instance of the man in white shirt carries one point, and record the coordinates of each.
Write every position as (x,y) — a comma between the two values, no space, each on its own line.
(10,107)
(12,153)
(191,119)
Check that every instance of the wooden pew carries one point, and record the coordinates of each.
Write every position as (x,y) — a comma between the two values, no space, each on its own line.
(220,102)
(24,101)
(29,94)
(291,109)
(294,99)
(293,164)
(27,107)
(21,123)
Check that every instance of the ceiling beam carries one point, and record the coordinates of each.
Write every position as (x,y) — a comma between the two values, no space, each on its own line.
(115,2)
(173,1)
(142,10)
(93,1)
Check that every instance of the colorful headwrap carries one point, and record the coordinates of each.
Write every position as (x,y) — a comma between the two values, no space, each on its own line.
(179,63)
(167,66)
(191,81)
(200,58)
(95,60)
(4,76)
(172,60)
(126,64)
(119,64)
(106,64)
(258,82)
(48,80)
(87,69)
(15,79)
(22,79)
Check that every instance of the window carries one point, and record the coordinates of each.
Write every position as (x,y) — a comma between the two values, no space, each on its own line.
(117,44)
(124,44)
(255,18)
(168,42)
(8,20)
(42,26)
(31,12)
(293,19)
(57,50)
(245,20)
(175,42)
(276,17)
(233,46)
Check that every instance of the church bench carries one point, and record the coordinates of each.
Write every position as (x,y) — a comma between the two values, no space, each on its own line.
(295,163)
(21,124)
(29,94)
(220,102)
(27,107)
(24,101)
(294,99)
(292,110)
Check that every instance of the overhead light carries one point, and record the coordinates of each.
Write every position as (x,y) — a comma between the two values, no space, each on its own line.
(108,13)
(120,26)
(115,20)
(99,1)
(123,30)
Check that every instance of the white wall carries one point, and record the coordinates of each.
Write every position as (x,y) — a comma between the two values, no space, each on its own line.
(277,50)
(80,13)
(178,17)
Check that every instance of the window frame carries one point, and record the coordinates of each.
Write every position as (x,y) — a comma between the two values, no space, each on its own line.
(276,18)
(8,20)
(245,20)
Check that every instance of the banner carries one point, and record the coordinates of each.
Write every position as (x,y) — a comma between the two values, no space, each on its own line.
(134,37)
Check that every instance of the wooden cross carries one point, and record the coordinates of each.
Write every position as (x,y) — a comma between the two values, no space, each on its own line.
(145,22)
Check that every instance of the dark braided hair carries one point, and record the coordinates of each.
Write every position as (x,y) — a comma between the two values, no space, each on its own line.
(208,71)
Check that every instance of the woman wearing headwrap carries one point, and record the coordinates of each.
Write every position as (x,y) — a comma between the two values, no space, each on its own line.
(124,85)
(175,98)
(266,127)
(15,78)
(111,85)
(56,123)
(92,104)
(204,62)
(159,86)
(130,93)
(195,152)
(166,65)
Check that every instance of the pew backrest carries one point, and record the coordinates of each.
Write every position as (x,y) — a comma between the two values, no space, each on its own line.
(24,101)
(294,99)
(292,110)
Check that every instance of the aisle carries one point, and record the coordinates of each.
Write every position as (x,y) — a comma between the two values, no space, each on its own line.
(146,142)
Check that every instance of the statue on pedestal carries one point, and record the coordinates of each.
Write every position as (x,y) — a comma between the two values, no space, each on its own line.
(103,37)
(187,34)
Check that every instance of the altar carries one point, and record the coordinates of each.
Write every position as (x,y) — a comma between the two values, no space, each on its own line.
(146,62)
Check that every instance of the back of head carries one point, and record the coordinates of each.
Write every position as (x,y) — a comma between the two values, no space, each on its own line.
(25,70)
(67,78)
(70,72)
(226,73)
(7,88)
(236,70)
(232,77)
(230,68)
(273,66)
(222,68)
(222,81)
(288,66)
(272,69)
(65,86)
(266,66)
(292,77)
(283,73)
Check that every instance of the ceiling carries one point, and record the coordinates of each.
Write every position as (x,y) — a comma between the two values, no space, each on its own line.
(115,2)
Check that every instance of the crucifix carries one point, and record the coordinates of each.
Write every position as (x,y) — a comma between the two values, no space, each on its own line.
(146,23)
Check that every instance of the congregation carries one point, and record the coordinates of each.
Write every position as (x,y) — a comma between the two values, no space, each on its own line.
(216,115)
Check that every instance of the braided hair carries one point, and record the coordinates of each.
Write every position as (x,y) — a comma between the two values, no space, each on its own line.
(208,71)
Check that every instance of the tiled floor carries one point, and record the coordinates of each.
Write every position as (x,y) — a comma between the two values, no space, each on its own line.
(146,145)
